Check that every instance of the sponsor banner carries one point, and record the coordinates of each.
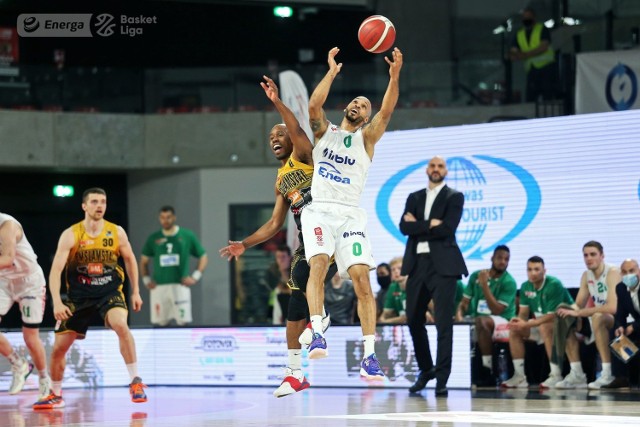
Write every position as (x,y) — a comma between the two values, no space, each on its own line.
(52,25)
(240,356)
(540,186)
(294,94)
(9,52)
(607,81)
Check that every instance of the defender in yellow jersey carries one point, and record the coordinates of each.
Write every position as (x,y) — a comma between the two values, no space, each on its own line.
(88,252)
(292,147)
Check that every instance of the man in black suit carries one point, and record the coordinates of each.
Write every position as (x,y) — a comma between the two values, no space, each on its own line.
(627,292)
(434,263)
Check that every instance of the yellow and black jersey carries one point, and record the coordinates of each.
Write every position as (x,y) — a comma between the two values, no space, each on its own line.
(92,267)
(294,183)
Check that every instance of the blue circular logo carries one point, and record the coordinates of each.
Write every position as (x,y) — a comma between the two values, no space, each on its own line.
(465,174)
(619,96)
(481,211)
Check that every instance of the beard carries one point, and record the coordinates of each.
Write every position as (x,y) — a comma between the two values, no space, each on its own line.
(353,120)
(499,270)
(436,179)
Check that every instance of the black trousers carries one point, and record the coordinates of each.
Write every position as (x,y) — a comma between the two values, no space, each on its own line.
(541,82)
(423,285)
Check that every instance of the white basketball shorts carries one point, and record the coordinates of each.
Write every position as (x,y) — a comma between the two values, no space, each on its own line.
(170,302)
(30,294)
(334,229)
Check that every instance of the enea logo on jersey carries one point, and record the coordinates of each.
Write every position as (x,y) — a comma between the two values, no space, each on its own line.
(488,218)
(328,171)
(352,233)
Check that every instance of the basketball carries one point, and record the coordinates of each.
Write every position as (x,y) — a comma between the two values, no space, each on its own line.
(376,34)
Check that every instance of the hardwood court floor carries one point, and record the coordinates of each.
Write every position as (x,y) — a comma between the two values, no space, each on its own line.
(255,406)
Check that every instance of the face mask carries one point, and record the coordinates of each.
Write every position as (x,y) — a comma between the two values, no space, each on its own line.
(384,281)
(527,22)
(631,280)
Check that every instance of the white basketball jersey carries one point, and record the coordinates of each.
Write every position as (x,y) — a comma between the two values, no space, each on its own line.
(26,261)
(598,286)
(341,165)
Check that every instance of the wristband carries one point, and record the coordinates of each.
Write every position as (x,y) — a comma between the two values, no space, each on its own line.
(146,280)
(196,275)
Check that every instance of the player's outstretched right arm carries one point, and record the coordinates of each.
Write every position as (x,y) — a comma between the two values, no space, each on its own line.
(264,233)
(317,117)
(65,244)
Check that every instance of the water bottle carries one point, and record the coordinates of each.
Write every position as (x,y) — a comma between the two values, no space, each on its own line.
(503,368)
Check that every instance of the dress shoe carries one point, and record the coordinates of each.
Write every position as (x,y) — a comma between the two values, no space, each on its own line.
(441,391)
(618,382)
(485,378)
(423,379)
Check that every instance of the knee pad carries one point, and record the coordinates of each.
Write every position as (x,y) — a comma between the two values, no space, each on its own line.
(299,274)
(298,307)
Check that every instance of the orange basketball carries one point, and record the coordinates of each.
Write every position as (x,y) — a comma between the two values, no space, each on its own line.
(376,34)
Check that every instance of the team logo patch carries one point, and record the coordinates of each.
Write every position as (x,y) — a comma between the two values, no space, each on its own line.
(319,237)
(95,269)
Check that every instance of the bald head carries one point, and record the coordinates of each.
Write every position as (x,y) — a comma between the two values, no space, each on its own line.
(436,170)
(629,266)
(630,273)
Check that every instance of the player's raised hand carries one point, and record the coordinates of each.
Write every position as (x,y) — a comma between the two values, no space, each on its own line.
(333,65)
(234,250)
(270,89)
(396,64)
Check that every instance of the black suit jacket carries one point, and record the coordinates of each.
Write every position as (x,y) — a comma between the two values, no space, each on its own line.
(445,252)
(626,308)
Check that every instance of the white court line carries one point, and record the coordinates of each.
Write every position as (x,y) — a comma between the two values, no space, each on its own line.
(507,418)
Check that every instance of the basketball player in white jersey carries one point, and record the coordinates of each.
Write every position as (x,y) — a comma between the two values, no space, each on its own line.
(22,281)
(599,283)
(334,224)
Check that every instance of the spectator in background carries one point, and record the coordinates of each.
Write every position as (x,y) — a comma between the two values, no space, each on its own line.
(169,281)
(278,276)
(383,274)
(628,305)
(532,45)
(540,295)
(491,297)
(340,300)
(395,304)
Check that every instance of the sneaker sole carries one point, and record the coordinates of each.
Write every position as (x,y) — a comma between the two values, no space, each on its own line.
(139,400)
(50,406)
(286,389)
(318,353)
(575,387)
(364,375)
(521,385)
